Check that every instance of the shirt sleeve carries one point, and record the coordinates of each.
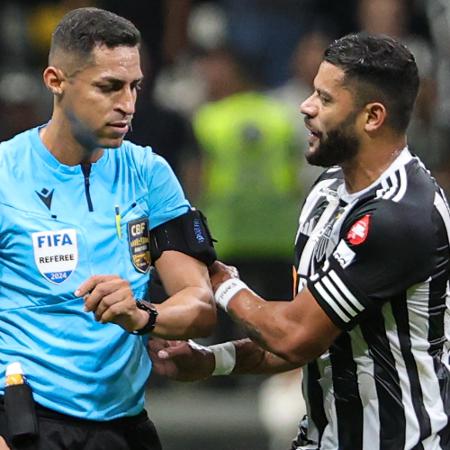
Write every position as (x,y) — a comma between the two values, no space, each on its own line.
(381,252)
(167,200)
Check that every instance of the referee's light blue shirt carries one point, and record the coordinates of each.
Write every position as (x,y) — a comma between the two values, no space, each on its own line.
(50,243)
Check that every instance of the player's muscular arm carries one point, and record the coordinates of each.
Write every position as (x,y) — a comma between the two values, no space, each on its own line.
(184,361)
(190,310)
(296,331)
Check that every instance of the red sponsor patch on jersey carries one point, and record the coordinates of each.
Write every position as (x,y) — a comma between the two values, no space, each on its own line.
(359,230)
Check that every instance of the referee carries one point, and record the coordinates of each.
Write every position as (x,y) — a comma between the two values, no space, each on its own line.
(85,213)
(372,265)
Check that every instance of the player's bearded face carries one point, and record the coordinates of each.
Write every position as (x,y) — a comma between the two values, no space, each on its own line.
(335,146)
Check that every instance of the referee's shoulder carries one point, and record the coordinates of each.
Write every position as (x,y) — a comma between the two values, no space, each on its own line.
(136,154)
(15,146)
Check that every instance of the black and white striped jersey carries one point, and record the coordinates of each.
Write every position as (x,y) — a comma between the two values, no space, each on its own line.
(377,262)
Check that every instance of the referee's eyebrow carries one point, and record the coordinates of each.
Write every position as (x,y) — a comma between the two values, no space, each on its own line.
(118,82)
(111,79)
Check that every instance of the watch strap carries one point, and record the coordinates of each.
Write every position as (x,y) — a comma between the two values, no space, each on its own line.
(152,315)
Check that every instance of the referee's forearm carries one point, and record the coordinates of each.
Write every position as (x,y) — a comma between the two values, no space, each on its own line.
(189,313)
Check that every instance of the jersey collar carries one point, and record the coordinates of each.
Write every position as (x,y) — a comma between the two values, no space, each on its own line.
(402,159)
(45,154)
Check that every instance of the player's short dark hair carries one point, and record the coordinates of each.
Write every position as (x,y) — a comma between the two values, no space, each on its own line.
(80,30)
(380,69)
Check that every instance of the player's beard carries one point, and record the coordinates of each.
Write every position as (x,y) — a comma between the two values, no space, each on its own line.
(341,144)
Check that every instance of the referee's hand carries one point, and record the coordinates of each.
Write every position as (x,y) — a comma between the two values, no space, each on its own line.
(110,298)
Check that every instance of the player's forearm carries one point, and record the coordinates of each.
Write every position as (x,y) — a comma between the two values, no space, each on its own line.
(268,324)
(253,359)
(187,314)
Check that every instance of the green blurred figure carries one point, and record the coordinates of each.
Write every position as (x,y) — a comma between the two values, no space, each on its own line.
(249,172)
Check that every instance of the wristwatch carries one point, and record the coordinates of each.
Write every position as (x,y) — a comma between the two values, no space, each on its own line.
(152,315)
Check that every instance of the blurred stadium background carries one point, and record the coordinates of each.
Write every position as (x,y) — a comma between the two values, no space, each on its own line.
(224,81)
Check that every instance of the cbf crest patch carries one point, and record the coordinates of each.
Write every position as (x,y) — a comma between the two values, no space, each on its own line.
(55,253)
(139,244)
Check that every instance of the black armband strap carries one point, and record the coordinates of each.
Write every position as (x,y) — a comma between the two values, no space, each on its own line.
(188,234)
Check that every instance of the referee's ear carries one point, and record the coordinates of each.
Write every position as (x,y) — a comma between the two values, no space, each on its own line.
(53,79)
(374,117)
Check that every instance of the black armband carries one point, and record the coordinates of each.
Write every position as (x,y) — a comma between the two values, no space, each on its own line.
(187,234)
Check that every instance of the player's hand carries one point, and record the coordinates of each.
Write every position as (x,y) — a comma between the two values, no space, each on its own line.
(179,360)
(110,298)
(220,272)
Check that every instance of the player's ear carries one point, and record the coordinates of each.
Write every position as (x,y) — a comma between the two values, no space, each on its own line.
(54,79)
(375,116)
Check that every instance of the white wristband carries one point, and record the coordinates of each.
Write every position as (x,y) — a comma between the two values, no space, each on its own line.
(196,346)
(225,357)
(227,290)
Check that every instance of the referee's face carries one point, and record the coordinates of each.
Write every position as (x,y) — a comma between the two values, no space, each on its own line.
(330,117)
(99,99)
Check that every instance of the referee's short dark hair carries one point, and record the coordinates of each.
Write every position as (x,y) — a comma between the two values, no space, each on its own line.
(80,30)
(380,69)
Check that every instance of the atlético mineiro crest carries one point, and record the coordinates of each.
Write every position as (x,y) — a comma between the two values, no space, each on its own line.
(359,230)
(55,253)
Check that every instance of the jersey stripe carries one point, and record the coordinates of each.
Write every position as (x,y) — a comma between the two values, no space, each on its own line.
(439,323)
(367,387)
(315,401)
(387,383)
(337,308)
(383,189)
(442,207)
(348,402)
(340,299)
(402,319)
(394,182)
(348,295)
(403,185)
(441,369)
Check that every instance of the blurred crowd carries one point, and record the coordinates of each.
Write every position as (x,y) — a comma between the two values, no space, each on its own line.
(224,81)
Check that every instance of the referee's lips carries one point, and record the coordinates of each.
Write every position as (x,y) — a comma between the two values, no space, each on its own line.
(121,126)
